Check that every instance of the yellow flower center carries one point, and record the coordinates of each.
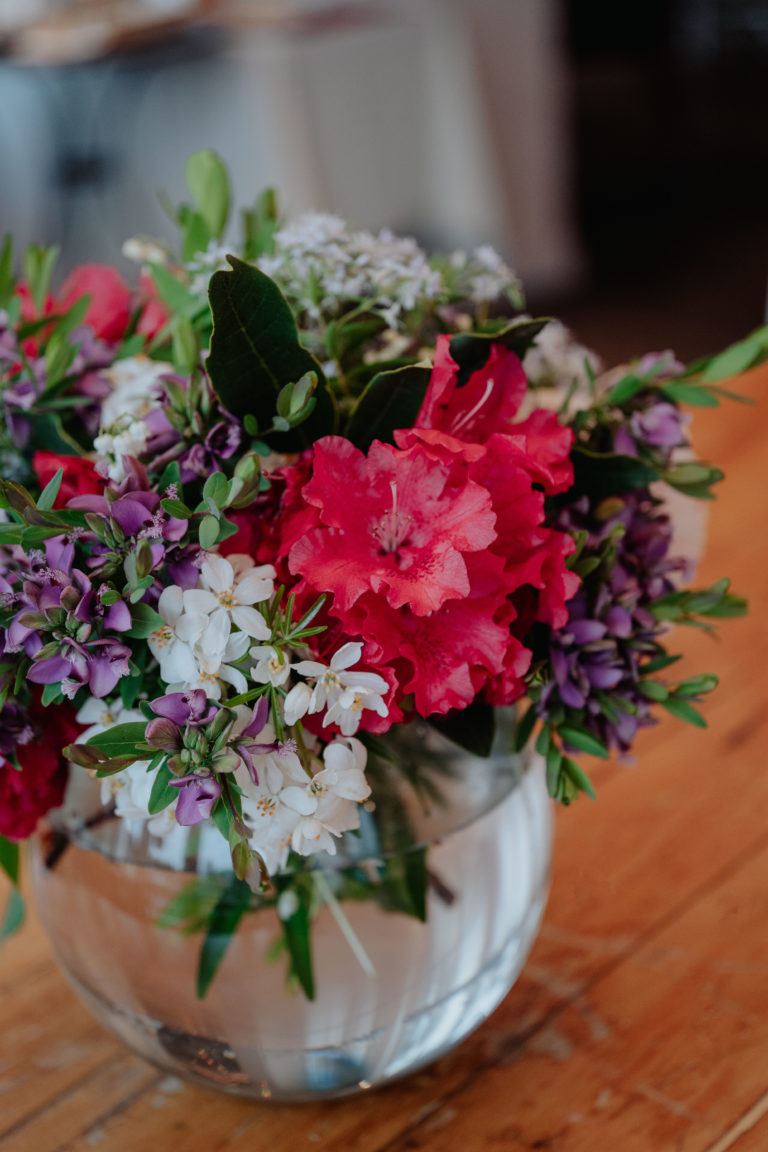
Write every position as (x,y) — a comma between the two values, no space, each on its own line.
(227,598)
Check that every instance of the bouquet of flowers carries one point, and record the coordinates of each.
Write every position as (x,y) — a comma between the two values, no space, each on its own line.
(268,508)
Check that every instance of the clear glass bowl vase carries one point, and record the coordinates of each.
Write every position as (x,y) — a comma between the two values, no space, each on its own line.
(393,992)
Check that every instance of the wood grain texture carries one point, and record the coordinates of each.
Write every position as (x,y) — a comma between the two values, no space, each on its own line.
(640,1023)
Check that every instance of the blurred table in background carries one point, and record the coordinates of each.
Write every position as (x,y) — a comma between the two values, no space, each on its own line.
(640,1023)
(445,118)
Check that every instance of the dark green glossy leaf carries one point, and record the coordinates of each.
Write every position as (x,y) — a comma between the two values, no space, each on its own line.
(604,474)
(390,401)
(255,352)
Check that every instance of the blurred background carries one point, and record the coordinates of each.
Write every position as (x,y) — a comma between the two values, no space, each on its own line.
(615,155)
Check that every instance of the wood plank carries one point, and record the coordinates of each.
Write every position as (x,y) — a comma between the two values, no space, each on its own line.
(661,1054)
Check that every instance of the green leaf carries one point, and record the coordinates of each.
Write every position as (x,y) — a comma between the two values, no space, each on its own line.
(626,388)
(738,358)
(346,335)
(259,225)
(684,711)
(9,859)
(52,694)
(472,728)
(405,879)
(683,393)
(579,777)
(208,181)
(523,729)
(579,737)
(145,621)
(233,903)
(609,473)
(296,930)
(162,793)
(653,690)
(173,293)
(697,685)
(14,915)
(47,497)
(255,352)
(190,909)
(175,508)
(658,663)
(6,271)
(390,401)
(208,532)
(470,350)
(119,741)
(554,761)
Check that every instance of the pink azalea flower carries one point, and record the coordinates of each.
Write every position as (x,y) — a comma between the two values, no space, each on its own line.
(390,523)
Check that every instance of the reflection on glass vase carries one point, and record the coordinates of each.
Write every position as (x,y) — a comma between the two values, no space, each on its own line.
(469,836)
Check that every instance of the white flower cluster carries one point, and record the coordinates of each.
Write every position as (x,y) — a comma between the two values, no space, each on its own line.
(123,430)
(483,277)
(290,810)
(204,264)
(206,640)
(208,630)
(320,263)
(557,361)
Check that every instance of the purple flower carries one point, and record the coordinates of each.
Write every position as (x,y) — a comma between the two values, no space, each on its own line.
(197,796)
(597,657)
(661,425)
(185,708)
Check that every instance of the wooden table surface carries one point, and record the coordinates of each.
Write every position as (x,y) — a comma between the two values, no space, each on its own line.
(640,1023)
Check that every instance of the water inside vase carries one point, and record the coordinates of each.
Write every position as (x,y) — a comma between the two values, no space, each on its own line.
(415,992)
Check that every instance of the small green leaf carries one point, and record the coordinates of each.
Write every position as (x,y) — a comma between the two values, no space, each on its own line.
(581,738)
(208,181)
(208,533)
(579,777)
(738,358)
(9,859)
(145,621)
(683,393)
(523,730)
(175,508)
(162,793)
(626,388)
(14,915)
(697,685)
(229,910)
(296,930)
(684,711)
(653,690)
(47,497)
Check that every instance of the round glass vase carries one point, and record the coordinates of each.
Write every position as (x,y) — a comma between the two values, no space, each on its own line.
(420,925)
